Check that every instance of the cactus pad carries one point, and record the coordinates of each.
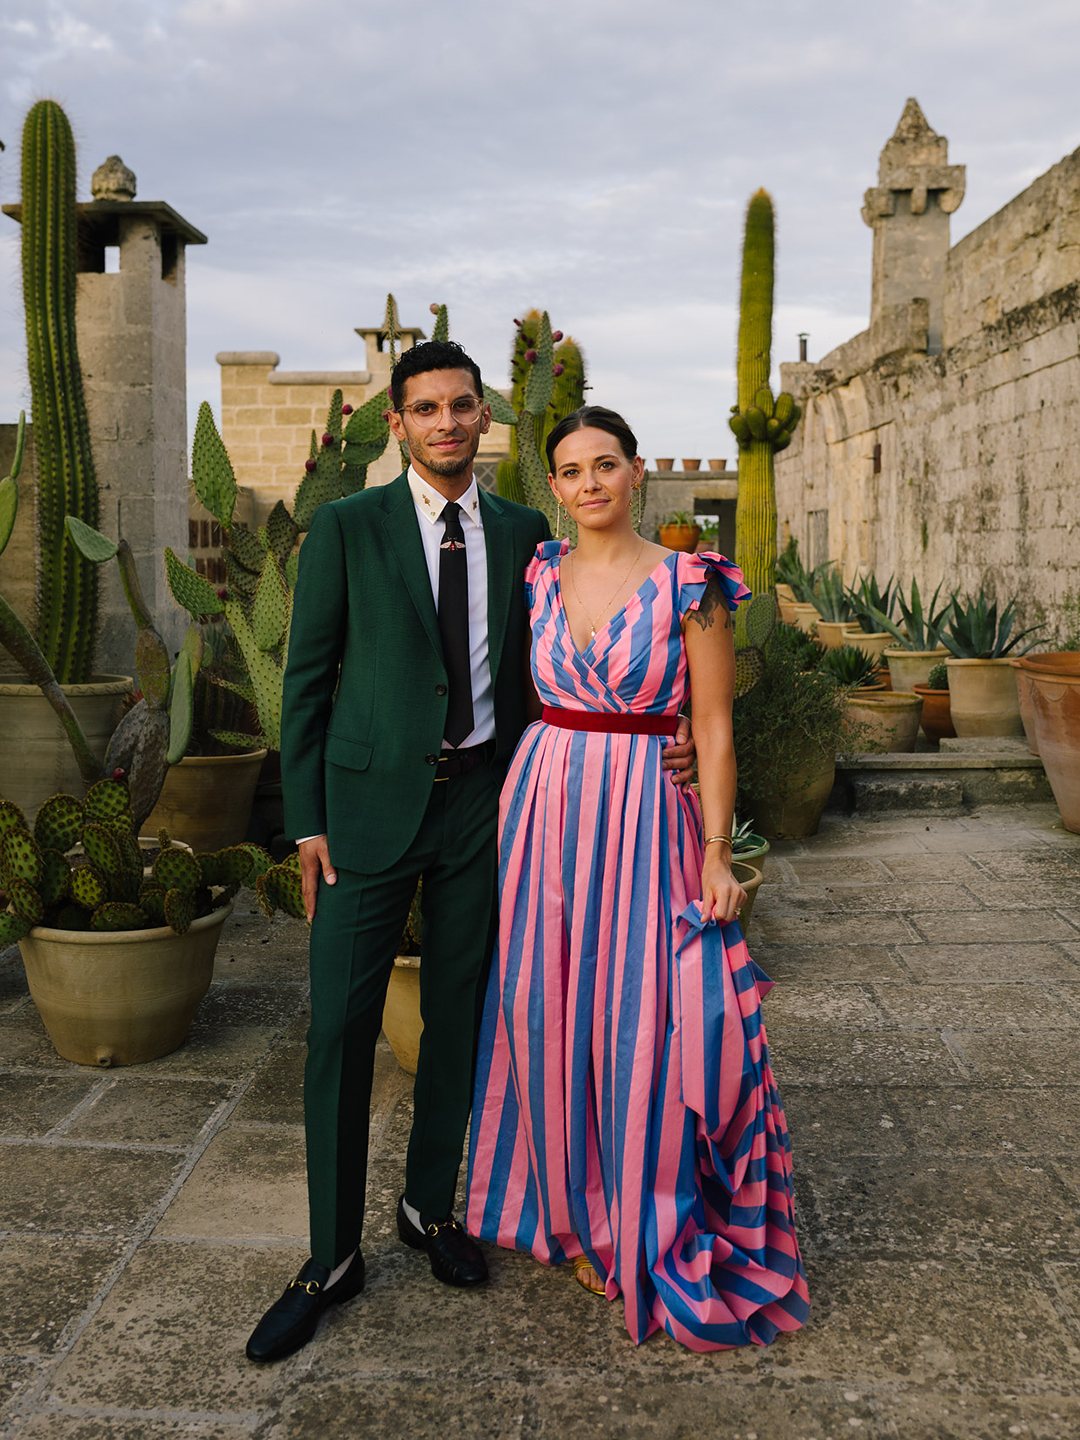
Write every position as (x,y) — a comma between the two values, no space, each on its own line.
(59,823)
(20,857)
(13,928)
(261,861)
(115,915)
(88,887)
(152,900)
(103,851)
(749,668)
(284,890)
(760,620)
(178,869)
(107,800)
(180,910)
(11,817)
(26,902)
(230,866)
(55,883)
(264,897)
(190,590)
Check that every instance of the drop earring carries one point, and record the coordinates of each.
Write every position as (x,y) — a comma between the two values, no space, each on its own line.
(558,520)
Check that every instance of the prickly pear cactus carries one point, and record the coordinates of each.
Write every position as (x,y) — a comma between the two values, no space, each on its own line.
(152,901)
(25,901)
(89,888)
(180,910)
(178,869)
(118,915)
(59,823)
(107,800)
(12,929)
(55,883)
(11,817)
(20,858)
(103,851)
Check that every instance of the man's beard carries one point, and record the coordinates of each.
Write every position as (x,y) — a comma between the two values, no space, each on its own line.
(449,468)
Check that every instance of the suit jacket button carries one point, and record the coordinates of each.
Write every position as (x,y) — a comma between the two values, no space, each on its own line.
(432,759)
(440,689)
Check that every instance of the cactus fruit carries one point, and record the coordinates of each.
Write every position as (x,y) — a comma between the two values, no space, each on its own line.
(25,901)
(20,857)
(107,800)
(59,823)
(116,915)
(55,883)
(89,887)
(11,817)
(66,485)
(180,910)
(178,869)
(12,929)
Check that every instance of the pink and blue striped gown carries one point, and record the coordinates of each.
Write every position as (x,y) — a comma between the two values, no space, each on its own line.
(625,1109)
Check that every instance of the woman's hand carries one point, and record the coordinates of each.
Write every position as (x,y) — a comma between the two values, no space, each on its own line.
(722,897)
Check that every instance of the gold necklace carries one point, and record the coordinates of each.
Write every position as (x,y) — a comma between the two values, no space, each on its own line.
(622,582)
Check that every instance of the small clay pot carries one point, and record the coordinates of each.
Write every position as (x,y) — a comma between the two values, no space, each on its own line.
(691,464)
(717,464)
(667,464)
(680,537)
(936,715)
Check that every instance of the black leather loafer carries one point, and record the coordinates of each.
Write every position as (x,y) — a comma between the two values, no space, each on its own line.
(291,1321)
(455,1257)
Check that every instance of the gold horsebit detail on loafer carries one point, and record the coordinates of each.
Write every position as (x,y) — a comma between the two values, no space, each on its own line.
(434,1228)
(311,1286)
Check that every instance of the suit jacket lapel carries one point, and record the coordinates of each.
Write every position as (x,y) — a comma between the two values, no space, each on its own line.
(499,543)
(402,530)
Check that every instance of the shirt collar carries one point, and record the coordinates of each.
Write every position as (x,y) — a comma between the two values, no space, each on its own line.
(430,503)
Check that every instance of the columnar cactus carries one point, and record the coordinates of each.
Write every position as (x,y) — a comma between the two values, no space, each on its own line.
(761,424)
(67,585)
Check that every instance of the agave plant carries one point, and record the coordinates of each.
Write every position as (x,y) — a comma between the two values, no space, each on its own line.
(924,627)
(829,595)
(866,598)
(791,571)
(850,666)
(977,632)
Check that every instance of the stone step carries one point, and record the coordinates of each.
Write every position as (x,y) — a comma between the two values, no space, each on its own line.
(997,770)
(898,794)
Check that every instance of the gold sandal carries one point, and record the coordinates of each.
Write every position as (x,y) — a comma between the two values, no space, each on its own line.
(583,1268)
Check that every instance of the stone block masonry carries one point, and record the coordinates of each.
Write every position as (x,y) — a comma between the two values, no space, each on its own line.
(954,461)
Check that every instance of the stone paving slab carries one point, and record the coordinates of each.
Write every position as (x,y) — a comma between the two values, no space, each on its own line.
(925,1032)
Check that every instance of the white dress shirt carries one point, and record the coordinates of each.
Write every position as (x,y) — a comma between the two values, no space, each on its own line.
(429,507)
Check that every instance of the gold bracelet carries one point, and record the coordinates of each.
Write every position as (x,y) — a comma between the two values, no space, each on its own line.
(726,839)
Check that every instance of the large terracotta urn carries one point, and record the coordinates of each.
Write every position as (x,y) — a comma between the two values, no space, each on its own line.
(206,800)
(1055,695)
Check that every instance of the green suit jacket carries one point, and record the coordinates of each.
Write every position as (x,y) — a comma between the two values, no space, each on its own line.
(362,718)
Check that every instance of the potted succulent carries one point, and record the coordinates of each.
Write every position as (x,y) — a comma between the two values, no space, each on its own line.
(748,847)
(881,719)
(1055,696)
(787,731)
(918,638)
(679,531)
(830,598)
(118,954)
(402,1024)
(852,668)
(865,598)
(982,687)
(936,716)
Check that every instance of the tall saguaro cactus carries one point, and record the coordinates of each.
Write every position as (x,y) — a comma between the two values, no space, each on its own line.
(67,584)
(761,424)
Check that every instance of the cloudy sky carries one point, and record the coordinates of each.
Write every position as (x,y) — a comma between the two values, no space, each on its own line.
(594,158)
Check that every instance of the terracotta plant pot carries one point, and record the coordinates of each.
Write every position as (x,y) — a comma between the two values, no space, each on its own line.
(911,667)
(873,643)
(798,813)
(785,610)
(983,698)
(206,800)
(666,464)
(1027,704)
(755,858)
(750,880)
(1055,697)
(691,464)
(892,715)
(832,633)
(120,997)
(401,1021)
(717,464)
(36,760)
(936,717)
(785,595)
(806,616)
(680,537)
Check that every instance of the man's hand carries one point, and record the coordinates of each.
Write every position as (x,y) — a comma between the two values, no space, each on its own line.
(314,860)
(680,756)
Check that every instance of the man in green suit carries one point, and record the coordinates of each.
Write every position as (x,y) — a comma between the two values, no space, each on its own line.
(404,700)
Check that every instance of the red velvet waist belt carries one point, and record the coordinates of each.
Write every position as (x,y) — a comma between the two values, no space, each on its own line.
(610,723)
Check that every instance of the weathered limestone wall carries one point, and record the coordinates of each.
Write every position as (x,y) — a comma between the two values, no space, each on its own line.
(976,480)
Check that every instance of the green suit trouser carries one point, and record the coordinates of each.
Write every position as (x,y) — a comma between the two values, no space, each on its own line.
(354,938)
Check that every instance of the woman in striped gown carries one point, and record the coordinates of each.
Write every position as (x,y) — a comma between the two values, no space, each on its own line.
(625,1116)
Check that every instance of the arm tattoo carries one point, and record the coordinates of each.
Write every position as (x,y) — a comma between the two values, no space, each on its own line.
(711,602)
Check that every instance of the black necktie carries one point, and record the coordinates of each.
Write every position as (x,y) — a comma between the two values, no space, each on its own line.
(454,625)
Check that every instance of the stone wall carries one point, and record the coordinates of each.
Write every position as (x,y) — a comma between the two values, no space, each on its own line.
(960,466)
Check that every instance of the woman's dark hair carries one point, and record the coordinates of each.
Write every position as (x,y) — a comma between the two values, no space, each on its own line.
(431,355)
(593,417)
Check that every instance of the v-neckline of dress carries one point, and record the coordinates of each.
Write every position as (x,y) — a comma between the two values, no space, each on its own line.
(581,654)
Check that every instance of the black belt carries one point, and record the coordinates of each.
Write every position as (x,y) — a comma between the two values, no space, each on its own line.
(460,762)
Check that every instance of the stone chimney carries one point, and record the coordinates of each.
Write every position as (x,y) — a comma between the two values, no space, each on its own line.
(908,211)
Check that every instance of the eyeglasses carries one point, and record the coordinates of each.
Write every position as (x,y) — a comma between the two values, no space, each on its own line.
(465,410)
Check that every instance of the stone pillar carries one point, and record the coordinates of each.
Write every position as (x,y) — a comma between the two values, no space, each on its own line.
(132,329)
(908,211)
